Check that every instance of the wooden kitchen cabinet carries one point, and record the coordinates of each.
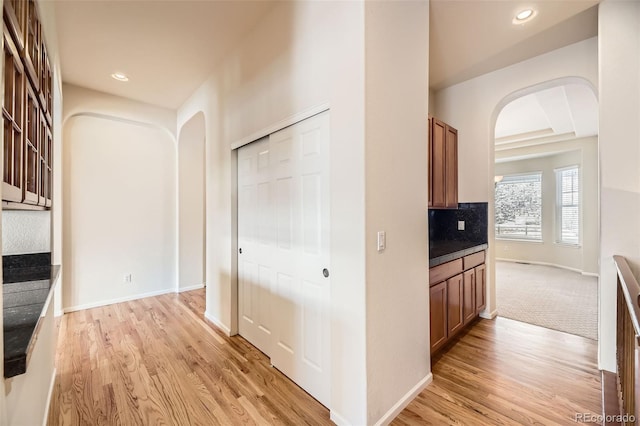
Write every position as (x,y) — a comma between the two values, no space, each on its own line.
(32,157)
(469,285)
(13,122)
(457,295)
(481,287)
(27,110)
(443,165)
(14,17)
(438,309)
(45,171)
(455,301)
(32,43)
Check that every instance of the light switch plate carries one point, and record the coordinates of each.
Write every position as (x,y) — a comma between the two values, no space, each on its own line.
(461,225)
(382,240)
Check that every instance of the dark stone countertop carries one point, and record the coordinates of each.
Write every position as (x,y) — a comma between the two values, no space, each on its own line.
(444,251)
(27,289)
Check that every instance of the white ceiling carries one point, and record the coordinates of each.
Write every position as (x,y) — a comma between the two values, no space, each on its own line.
(166,48)
(558,113)
(169,47)
(469,38)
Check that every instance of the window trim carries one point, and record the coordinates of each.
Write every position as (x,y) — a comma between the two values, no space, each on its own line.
(521,238)
(559,206)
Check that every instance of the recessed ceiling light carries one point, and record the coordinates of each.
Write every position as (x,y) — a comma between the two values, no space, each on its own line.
(524,16)
(119,76)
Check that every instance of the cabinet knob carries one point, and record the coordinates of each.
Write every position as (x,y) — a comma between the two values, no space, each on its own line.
(325,272)
(240,250)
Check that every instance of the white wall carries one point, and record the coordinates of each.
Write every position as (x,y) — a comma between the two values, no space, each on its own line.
(473,106)
(120,211)
(396,107)
(583,153)
(191,202)
(26,232)
(301,55)
(619,47)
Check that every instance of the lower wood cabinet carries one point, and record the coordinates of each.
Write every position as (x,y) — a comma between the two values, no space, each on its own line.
(469,284)
(455,300)
(438,308)
(481,287)
(457,291)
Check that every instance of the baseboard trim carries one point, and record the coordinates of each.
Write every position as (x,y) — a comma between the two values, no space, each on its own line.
(533,262)
(404,401)
(49,395)
(117,300)
(489,315)
(217,323)
(191,287)
(338,419)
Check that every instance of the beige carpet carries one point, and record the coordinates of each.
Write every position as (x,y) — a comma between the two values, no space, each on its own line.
(549,297)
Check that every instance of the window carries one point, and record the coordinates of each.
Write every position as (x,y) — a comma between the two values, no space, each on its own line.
(568,205)
(519,207)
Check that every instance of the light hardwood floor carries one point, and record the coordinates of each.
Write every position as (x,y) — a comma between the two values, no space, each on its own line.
(504,372)
(155,361)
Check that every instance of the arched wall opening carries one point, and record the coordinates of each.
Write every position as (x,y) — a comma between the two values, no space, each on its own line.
(191,204)
(119,227)
(592,252)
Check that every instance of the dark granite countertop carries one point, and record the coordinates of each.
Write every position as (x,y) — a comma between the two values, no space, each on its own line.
(445,251)
(28,285)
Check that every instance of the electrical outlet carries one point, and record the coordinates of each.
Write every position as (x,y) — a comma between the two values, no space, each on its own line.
(127,278)
(461,225)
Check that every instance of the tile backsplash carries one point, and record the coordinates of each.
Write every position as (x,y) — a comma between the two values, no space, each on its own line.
(443,223)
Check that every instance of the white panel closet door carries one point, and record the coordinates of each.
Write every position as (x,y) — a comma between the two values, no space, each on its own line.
(256,241)
(298,255)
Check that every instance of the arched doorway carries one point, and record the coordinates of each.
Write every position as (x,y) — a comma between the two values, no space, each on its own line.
(545,206)
(191,204)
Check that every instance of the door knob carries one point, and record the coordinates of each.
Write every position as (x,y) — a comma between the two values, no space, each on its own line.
(325,272)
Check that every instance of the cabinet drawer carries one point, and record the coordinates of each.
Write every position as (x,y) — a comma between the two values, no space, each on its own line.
(473,260)
(446,270)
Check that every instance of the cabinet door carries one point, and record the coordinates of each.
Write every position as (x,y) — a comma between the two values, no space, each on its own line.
(451,168)
(14,16)
(31,155)
(469,284)
(13,122)
(438,315)
(438,159)
(455,300)
(481,287)
(31,51)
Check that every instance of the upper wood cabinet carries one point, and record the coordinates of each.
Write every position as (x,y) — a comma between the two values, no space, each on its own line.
(32,44)
(27,109)
(32,157)
(443,165)
(46,98)
(15,14)
(13,116)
